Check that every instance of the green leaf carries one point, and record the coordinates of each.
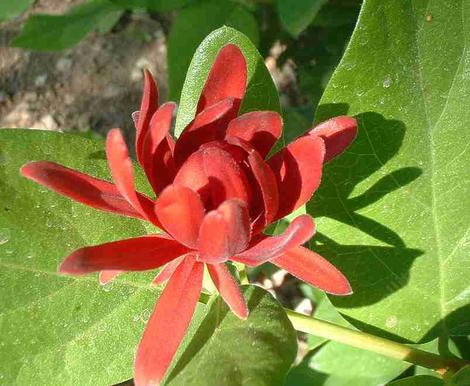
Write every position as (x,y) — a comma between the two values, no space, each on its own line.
(153,5)
(191,27)
(56,329)
(261,93)
(223,349)
(54,33)
(393,211)
(10,9)
(297,15)
(462,377)
(419,380)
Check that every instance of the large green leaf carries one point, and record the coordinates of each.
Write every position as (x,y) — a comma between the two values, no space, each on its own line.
(297,15)
(57,32)
(192,26)
(224,350)
(395,208)
(261,93)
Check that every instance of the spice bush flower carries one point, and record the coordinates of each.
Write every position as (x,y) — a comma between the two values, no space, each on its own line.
(216,192)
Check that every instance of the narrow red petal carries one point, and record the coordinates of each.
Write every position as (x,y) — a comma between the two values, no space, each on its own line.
(122,172)
(168,323)
(299,231)
(106,276)
(157,154)
(227,78)
(298,170)
(180,211)
(209,125)
(167,271)
(338,133)
(224,232)
(260,128)
(148,107)
(136,254)
(314,269)
(80,187)
(228,289)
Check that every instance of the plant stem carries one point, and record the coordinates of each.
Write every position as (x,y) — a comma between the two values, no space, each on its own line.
(443,366)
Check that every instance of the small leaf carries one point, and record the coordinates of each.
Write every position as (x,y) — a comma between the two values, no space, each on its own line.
(191,27)
(54,33)
(9,9)
(261,93)
(297,15)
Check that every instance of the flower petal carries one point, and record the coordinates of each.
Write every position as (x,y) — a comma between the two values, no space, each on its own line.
(168,323)
(215,175)
(136,254)
(314,269)
(209,125)
(338,133)
(224,232)
(260,128)
(167,271)
(122,172)
(157,154)
(298,170)
(148,107)
(106,276)
(180,211)
(227,79)
(81,187)
(299,231)
(228,289)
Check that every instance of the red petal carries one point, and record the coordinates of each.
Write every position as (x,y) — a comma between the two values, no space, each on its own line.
(80,187)
(228,289)
(224,232)
(298,232)
(338,133)
(209,125)
(122,171)
(298,170)
(260,128)
(227,79)
(136,254)
(215,175)
(106,276)
(314,269)
(180,212)
(157,154)
(168,323)
(167,271)
(148,107)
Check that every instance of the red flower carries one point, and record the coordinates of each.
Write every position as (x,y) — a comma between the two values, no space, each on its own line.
(216,193)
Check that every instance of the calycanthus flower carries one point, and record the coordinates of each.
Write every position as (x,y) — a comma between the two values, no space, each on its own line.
(216,193)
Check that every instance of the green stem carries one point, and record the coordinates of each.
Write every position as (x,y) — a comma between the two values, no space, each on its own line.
(443,366)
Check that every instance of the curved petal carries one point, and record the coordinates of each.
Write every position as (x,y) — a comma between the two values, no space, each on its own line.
(310,267)
(168,270)
(338,133)
(298,170)
(148,107)
(227,79)
(209,125)
(81,187)
(228,289)
(136,254)
(168,324)
(106,276)
(259,128)
(180,211)
(224,232)
(298,232)
(215,175)
(157,154)
(122,172)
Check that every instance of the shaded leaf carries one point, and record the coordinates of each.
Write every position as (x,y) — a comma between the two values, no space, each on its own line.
(418,380)
(297,15)
(153,5)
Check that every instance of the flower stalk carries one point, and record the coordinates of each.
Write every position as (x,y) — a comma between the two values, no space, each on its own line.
(443,366)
